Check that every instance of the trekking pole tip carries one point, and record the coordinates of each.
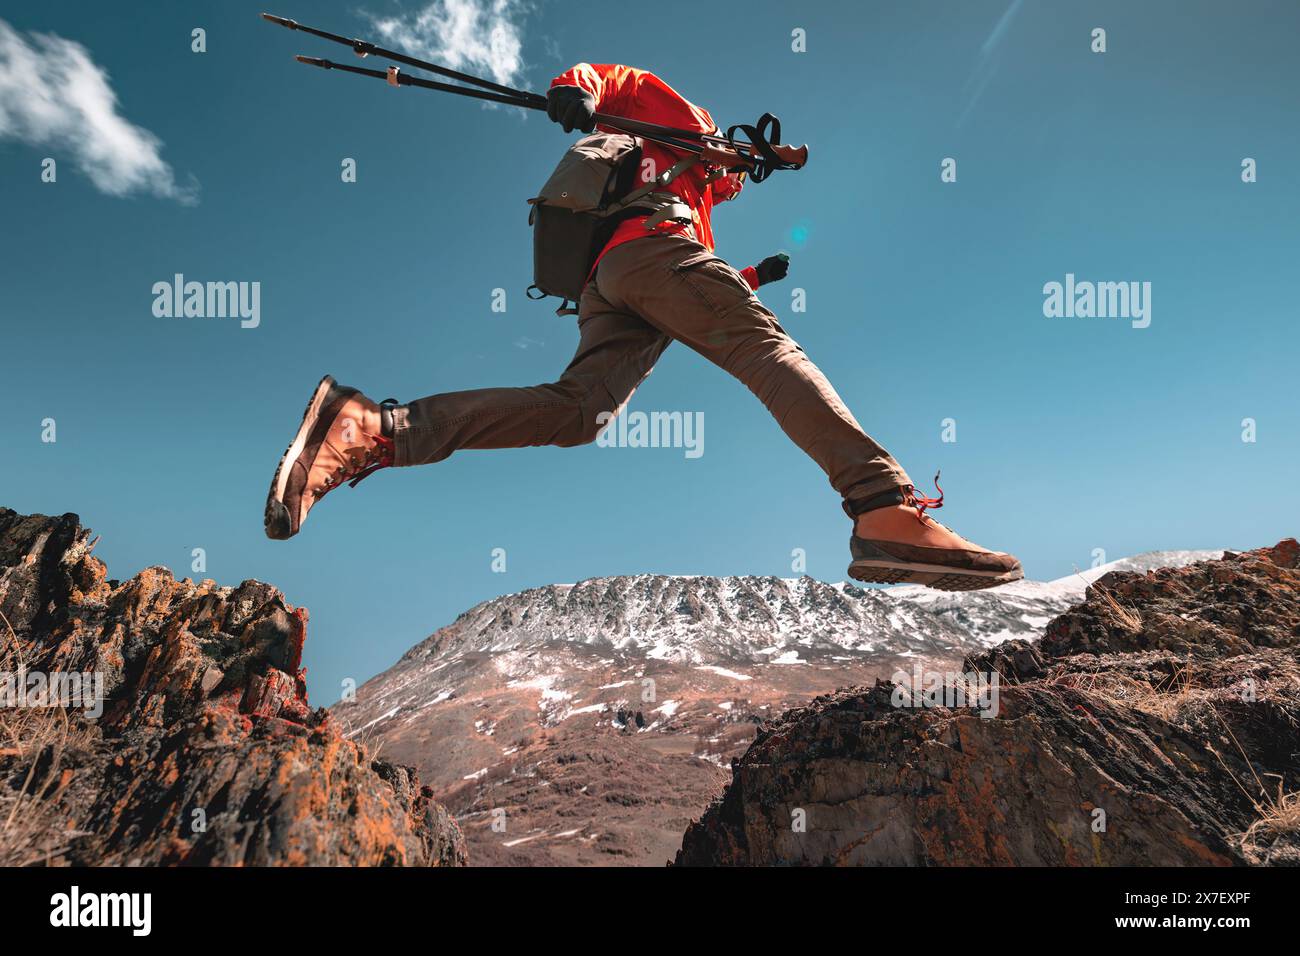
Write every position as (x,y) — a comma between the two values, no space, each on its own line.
(283,21)
(314,61)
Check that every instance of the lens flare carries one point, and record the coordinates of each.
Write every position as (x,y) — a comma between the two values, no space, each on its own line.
(799,234)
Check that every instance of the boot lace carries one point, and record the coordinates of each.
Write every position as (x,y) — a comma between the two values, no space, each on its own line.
(922,502)
(353,469)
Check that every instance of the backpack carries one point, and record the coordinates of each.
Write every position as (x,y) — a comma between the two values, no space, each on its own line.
(589,194)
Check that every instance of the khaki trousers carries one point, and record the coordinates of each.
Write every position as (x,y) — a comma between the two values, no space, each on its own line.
(645,294)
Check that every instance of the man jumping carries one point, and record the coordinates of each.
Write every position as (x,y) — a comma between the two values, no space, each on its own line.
(648,288)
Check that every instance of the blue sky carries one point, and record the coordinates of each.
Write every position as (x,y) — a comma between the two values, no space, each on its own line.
(924,298)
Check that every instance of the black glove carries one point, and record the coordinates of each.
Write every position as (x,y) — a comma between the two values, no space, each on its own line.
(772,268)
(572,107)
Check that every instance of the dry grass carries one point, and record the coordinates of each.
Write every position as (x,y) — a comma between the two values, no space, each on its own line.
(33,775)
(1165,699)
(1278,818)
(365,737)
(1177,699)
(1278,827)
(1121,616)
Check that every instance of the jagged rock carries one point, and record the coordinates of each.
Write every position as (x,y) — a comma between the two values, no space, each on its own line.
(1166,706)
(207,751)
(1209,609)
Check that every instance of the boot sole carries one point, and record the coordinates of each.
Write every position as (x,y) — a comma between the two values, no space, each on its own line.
(275,519)
(937,576)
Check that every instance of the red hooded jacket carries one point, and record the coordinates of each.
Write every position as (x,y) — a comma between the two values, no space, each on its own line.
(639,94)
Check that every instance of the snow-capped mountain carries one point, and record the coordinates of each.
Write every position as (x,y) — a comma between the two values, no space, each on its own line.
(611,703)
(766,620)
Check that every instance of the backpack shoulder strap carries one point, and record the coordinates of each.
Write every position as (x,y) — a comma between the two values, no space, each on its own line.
(658,182)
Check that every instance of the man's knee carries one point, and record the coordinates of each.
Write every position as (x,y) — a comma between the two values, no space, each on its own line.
(760,350)
(583,427)
(585,415)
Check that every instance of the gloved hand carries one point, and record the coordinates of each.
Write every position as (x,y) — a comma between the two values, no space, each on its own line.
(572,107)
(773,268)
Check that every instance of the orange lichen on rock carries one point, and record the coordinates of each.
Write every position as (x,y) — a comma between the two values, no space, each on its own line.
(208,751)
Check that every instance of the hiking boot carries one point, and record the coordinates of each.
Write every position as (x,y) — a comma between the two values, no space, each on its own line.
(340,440)
(896,542)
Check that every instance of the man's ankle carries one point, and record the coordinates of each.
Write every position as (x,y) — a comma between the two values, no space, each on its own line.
(880,519)
(854,507)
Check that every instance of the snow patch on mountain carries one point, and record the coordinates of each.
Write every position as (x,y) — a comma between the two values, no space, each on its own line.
(749,621)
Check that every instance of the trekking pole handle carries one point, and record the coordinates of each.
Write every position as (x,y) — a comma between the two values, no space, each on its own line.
(796,156)
(723,156)
(717,149)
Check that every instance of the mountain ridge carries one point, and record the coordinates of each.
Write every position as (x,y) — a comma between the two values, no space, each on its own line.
(580,595)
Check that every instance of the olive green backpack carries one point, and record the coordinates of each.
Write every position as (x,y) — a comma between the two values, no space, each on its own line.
(592,190)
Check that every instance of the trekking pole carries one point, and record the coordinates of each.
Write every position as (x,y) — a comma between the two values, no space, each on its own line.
(364,48)
(396,78)
(506,94)
(759,156)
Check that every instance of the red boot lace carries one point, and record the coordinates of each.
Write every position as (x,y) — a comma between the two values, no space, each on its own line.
(921,502)
(378,455)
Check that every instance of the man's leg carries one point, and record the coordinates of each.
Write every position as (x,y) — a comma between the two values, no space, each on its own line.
(692,295)
(679,287)
(344,435)
(616,351)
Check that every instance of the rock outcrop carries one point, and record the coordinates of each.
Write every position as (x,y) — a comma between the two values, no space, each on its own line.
(1158,722)
(206,752)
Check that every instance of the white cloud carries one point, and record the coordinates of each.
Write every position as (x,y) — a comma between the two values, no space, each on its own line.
(52,94)
(472,36)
